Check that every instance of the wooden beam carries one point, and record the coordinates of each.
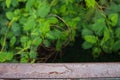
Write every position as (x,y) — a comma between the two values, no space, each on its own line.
(60,70)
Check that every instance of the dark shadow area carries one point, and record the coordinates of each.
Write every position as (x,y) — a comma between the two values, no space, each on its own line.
(75,54)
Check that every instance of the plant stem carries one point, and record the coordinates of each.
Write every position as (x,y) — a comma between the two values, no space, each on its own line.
(4,42)
(22,50)
(58,27)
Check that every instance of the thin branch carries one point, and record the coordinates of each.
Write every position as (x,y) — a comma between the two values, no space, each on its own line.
(61,19)
(22,50)
(58,27)
(101,9)
(48,57)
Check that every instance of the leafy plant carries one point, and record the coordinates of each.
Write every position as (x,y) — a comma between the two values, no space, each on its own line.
(34,30)
(26,25)
(102,30)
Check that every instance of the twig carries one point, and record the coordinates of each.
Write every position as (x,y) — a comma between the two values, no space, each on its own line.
(58,27)
(61,20)
(66,43)
(101,9)
(22,50)
(55,56)
(50,55)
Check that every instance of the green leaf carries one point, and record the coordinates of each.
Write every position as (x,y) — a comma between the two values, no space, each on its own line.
(2,57)
(73,22)
(106,36)
(22,20)
(6,56)
(98,26)
(24,39)
(113,18)
(96,52)
(37,41)
(87,45)
(17,12)
(116,46)
(64,35)
(14,3)
(103,2)
(43,10)
(54,2)
(51,37)
(8,3)
(113,8)
(24,57)
(53,34)
(24,60)
(91,39)
(9,15)
(58,45)
(117,32)
(90,3)
(29,43)
(63,9)
(44,27)
(33,53)
(12,41)
(30,24)
(47,43)
(86,32)
(9,56)
(35,32)
(16,29)
(1,41)
(29,5)
(106,48)
(52,20)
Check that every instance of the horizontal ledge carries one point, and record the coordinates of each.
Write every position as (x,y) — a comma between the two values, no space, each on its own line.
(60,70)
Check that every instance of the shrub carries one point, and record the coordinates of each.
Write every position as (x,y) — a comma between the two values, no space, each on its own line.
(33,30)
(101,32)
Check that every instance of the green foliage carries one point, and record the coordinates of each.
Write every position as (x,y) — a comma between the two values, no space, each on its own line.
(114,19)
(116,46)
(91,39)
(8,2)
(102,29)
(6,56)
(26,25)
(90,3)
(87,45)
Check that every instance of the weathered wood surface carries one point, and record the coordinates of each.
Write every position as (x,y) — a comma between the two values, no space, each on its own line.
(61,70)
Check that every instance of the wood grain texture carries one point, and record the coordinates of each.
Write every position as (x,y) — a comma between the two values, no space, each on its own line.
(60,70)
